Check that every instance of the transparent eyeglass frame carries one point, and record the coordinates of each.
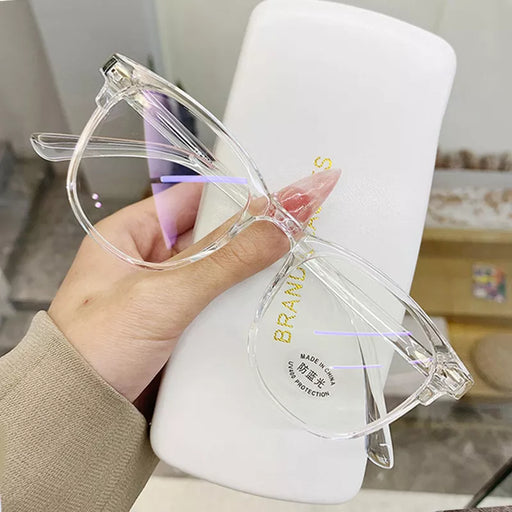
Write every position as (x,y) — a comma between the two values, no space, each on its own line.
(126,80)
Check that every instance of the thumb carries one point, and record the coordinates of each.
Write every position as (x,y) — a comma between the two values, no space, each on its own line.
(255,248)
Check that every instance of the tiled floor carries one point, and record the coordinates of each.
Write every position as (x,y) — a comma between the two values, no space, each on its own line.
(445,448)
(49,246)
(448,447)
(41,257)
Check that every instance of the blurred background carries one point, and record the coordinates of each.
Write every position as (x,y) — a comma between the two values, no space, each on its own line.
(50,53)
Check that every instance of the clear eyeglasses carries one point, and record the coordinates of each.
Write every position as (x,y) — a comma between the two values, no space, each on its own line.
(334,341)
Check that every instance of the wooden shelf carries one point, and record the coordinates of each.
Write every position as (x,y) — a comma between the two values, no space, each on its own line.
(443,282)
(443,286)
(493,236)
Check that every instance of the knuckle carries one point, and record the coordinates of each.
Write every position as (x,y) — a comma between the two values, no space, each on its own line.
(241,253)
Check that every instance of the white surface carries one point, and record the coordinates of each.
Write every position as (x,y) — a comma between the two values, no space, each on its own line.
(479,114)
(316,80)
(163,494)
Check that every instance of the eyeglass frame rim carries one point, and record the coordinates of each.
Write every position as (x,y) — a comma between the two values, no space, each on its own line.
(107,98)
(443,351)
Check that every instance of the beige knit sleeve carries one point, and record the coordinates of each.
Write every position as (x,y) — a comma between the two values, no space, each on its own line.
(72,443)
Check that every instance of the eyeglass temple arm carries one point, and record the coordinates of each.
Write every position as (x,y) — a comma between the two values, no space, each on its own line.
(59,147)
(379,446)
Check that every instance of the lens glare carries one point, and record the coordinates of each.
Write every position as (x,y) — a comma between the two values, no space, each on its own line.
(334,359)
(173,181)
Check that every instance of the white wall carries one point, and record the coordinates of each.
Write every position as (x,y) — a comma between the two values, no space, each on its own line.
(28,97)
(200,45)
(79,37)
(201,41)
(479,114)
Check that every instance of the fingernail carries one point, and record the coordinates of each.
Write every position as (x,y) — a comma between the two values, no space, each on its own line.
(305,196)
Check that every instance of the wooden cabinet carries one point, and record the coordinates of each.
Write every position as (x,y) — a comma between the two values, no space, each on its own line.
(444,286)
(445,278)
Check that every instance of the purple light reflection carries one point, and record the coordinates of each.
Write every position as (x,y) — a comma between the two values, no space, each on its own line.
(420,361)
(199,179)
(354,366)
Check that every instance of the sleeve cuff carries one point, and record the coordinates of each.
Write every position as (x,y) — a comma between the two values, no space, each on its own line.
(72,441)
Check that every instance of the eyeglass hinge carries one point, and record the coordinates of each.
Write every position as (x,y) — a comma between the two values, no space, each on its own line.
(448,379)
(117,74)
(117,80)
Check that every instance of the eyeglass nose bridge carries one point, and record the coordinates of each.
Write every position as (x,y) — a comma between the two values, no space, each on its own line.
(290,226)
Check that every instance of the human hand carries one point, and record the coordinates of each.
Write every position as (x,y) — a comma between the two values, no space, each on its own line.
(125,321)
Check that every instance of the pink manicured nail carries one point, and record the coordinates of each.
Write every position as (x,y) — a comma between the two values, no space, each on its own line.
(304,197)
